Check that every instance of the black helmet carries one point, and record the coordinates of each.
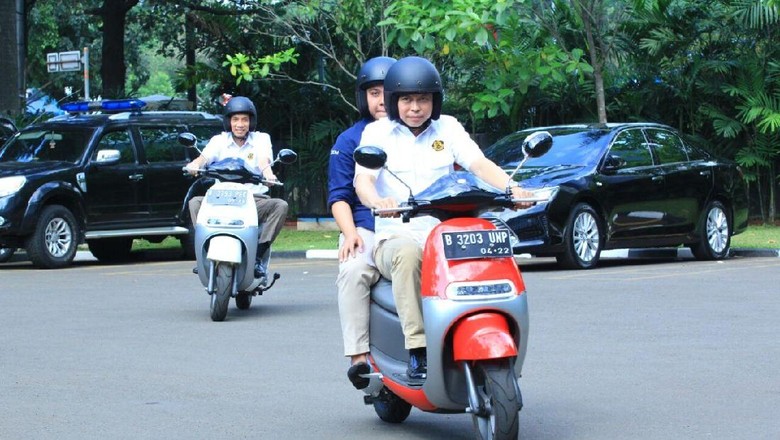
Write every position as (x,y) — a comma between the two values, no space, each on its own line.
(240,104)
(371,72)
(412,75)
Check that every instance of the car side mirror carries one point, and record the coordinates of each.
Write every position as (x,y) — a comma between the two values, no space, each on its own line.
(613,163)
(370,157)
(107,157)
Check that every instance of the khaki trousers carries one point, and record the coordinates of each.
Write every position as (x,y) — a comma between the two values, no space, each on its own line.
(356,276)
(399,260)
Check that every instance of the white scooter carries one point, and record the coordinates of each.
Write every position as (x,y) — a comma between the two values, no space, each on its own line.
(226,232)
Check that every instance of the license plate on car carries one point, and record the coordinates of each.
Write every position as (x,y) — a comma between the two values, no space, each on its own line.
(476,244)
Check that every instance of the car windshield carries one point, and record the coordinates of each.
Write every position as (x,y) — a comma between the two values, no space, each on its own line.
(574,146)
(38,145)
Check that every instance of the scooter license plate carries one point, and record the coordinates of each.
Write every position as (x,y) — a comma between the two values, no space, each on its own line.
(229,197)
(476,244)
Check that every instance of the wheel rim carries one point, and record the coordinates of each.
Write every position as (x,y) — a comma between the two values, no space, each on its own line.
(717,230)
(585,236)
(58,237)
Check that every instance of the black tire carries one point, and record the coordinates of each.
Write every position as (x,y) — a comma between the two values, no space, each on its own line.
(714,234)
(391,408)
(55,239)
(498,390)
(223,284)
(243,300)
(111,250)
(583,239)
(6,253)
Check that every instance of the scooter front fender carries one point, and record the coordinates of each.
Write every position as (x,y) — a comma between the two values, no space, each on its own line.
(225,248)
(483,336)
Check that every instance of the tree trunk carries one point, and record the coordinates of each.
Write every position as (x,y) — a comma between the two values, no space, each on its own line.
(112,63)
(13,86)
(595,62)
(189,56)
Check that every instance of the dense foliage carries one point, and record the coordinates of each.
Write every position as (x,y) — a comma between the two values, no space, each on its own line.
(709,68)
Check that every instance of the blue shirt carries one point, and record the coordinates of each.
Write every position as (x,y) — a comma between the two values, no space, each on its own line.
(341,175)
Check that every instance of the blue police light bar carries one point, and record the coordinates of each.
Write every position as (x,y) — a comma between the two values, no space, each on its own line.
(107,105)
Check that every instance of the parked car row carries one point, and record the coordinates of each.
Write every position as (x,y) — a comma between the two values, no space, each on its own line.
(629,185)
(101,178)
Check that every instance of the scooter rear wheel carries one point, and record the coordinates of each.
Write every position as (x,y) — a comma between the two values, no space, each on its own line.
(223,283)
(391,408)
(243,300)
(499,400)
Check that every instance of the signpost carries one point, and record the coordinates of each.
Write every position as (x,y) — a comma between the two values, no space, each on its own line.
(70,61)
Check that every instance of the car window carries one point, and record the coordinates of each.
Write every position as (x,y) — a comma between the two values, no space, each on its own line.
(205,133)
(46,145)
(120,141)
(575,146)
(161,144)
(630,146)
(667,146)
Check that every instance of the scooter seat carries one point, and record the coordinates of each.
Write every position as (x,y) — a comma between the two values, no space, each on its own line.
(382,294)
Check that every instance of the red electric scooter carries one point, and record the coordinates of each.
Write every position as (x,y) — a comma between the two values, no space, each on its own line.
(474,308)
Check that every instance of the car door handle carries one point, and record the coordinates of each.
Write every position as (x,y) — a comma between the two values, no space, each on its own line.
(136,177)
(705,173)
(658,178)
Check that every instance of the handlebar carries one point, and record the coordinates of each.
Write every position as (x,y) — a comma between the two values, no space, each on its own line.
(205,171)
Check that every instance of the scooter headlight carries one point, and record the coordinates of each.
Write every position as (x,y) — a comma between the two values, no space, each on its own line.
(474,290)
(235,223)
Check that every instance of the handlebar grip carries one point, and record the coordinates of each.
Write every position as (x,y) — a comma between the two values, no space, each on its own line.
(397,210)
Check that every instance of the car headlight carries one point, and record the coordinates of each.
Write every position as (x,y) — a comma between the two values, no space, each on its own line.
(547,193)
(11,185)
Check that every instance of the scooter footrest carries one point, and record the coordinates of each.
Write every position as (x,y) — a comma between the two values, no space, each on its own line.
(368,399)
(195,270)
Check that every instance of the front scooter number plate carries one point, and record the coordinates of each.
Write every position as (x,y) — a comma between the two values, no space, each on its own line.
(476,244)
(229,197)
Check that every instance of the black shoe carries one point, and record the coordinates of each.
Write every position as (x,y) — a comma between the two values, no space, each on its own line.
(418,364)
(354,373)
(259,270)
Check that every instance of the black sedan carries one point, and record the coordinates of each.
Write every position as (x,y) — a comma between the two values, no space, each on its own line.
(622,185)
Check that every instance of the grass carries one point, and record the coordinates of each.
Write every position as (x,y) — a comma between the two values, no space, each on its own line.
(758,237)
(755,237)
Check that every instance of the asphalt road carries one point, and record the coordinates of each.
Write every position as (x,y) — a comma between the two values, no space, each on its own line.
(636,349)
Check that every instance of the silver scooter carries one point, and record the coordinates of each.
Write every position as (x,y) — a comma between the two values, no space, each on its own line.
(226,232)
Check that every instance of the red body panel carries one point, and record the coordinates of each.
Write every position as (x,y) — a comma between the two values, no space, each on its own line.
(438,272)
(483,336)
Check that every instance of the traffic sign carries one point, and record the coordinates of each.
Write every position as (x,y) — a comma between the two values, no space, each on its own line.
(63,61)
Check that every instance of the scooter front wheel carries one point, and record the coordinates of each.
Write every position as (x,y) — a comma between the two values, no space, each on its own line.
(498,417)
(223,285)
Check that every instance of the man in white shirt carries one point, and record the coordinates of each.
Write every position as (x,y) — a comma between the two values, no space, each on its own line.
(421,145)
(240,140)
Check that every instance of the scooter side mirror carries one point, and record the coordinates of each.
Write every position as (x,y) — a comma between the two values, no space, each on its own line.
(188,139)
(370,157)
(287,156)
(537,144)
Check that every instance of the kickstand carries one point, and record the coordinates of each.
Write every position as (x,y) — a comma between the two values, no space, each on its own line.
(273,280)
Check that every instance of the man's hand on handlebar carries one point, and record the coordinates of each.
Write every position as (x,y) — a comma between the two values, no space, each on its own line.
(520,193)
(385,203)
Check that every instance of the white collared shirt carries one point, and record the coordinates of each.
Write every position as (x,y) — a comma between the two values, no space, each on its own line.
(418,161)
(257,147)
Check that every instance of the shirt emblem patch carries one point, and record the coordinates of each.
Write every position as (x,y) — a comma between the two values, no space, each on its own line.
(250,156)
(438,145)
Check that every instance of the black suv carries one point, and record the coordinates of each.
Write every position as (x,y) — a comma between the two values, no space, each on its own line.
(101,178)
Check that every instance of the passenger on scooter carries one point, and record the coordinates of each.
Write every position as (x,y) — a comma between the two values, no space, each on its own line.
(421,145)
(356,242)
(240,140)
